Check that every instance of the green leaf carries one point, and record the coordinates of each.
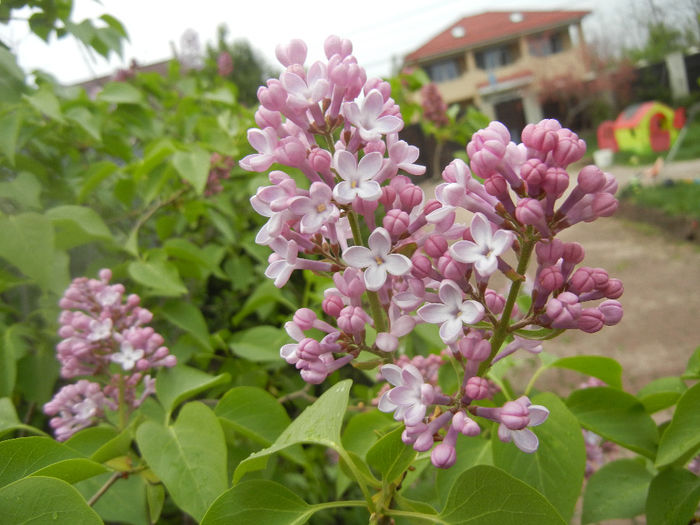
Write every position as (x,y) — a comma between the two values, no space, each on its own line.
(189,457)
(124,502)
(470,452)
(44,101)
(253,412)
(88,440)
(616,416)
(361,431)
(43,500)
(486,495)
(86,120)
(193,166)
(93,176)
(682,437)
(160,277)
(9,420)
(259,344)
(673,497)
(174,385)
(692,370)
(27,241)
(23,456)
(119,445)
(661,393)
(76,225)
(390,456)
(120,93)
(556,469)
(72,470)
(618,490)
(188,317)
(183,249)
(319,423)
(604,368)
(25,190)
(9,129)
(256,502)
(265,294)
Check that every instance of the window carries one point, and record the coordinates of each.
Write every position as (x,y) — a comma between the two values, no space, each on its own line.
(546,44)
(443,71)
(495,57)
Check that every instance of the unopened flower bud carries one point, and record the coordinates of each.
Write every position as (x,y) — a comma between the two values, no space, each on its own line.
(591,320)
(612,312)
(477,388)
(514,415)
(443,456)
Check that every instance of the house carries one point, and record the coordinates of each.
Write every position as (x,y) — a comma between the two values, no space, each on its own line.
(500,60)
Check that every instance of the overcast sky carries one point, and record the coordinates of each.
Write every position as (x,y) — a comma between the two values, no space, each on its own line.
(380,30)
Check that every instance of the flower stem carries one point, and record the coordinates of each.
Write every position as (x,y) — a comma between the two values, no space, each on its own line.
(502,329)
(375,305)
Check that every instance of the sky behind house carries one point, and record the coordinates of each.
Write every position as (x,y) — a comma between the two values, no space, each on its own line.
(382,32)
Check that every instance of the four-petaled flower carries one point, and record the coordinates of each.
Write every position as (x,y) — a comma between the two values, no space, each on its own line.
(357,177)
(366,117)
(410,397)
(487,246)
(127,355)
(377,260)
(514,428)
(316,209)
(453,312)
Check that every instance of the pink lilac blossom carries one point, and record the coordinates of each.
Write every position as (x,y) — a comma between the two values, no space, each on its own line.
(104,337)
(399,257)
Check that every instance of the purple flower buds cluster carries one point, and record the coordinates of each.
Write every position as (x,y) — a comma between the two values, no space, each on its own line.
(434,107)
(398,258)
(103,336)
(220,169)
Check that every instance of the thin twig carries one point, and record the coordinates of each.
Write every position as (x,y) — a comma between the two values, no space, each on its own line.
(111,481)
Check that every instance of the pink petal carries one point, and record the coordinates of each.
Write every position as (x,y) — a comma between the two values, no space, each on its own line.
(501,241)
(412,376)
(403,395)
(385,404)
(414,414)
(380,242)
(373,104)
(344,192)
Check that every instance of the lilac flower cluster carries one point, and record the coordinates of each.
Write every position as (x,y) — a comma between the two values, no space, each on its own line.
(398,259)
(434,107)
(104,337)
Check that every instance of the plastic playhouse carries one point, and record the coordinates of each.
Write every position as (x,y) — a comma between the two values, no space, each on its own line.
(642,128)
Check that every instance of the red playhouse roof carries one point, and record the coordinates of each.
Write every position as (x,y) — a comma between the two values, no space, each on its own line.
(632,115)
(471,31)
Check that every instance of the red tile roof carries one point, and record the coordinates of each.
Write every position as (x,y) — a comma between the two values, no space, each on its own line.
(492,26)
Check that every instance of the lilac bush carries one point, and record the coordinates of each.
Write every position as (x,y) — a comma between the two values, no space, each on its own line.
(399,258)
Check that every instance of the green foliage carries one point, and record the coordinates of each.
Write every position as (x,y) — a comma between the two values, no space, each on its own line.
(679,198)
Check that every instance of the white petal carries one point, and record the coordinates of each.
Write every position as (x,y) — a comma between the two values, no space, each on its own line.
(480,229)
(369,190)
(412,377)
(451,330)
(486,265)
(369,165)
(538,414)
(403,395)
(397,264)
(466,251)
(472,312)
(380,242)
(501,241)
(525,440)
(451,294)
(346,165)
(385,404)
(358,257)
(375,277)
(344,193)
(435,313)
(415,414)
(392,373)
